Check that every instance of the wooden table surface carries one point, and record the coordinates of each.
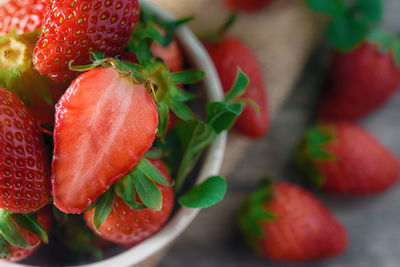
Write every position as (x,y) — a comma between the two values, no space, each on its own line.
(373,223)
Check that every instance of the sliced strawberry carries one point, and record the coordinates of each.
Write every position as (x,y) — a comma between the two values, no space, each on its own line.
(105,123)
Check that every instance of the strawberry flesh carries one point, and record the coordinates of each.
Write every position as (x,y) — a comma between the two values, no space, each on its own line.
(104,124)
(25,16)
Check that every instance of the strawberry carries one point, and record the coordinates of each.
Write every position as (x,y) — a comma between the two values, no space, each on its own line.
(127,226)
(25,170)
(228,54)
(16,253)
(18,75)
(171,55)
(72,29)
(342,158)
(23,15)
(105,123)
(246,6)
(359,82)
(285,223)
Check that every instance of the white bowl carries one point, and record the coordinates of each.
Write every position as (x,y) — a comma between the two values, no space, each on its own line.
(150,248)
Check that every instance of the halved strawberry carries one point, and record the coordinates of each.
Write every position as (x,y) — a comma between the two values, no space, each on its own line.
(105,122)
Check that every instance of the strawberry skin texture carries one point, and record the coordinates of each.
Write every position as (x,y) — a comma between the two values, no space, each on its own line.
(248,5)
(128,227)
(228,54)
(24,170)
(303,229)
(23,15)
(359,82)
(360,164)
(104,125)
(44,219)
(73,29)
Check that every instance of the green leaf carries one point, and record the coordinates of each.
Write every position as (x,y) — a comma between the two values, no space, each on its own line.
(330,7)
(93,205)
(345,33)
(147,191)
(317,138)
(206,194)
(181,110)
(194,137)
(4,249)
(221,117)
(97,56)
(238,88)
(125,190)
(371,10)
(151,172)
(382,39)
(163,117)
(253,213)
(103,208)
(143,51)
(187,76)
(153,153)
(10,232)
(30,224)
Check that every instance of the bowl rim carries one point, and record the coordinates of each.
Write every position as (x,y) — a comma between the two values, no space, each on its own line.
(211,165)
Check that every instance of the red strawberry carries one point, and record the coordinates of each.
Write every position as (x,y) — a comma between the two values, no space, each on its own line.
(127,226)
(228,54)
(105,122)
(24,168)
(248,5)
(285,223)
(23,15)
(359,82)
(72,29)
(171,55)
(343,158)
(18,253)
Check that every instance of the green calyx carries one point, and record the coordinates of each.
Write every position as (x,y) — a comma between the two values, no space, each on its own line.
(312,149)
(142,181)
(386,43)
(350,21)
(17,72)
(10,233)
(253,213)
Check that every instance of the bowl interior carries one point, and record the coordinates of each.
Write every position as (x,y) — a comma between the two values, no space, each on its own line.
(210,164)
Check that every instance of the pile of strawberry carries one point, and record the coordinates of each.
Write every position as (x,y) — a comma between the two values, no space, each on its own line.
(284,222)
(95,127)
